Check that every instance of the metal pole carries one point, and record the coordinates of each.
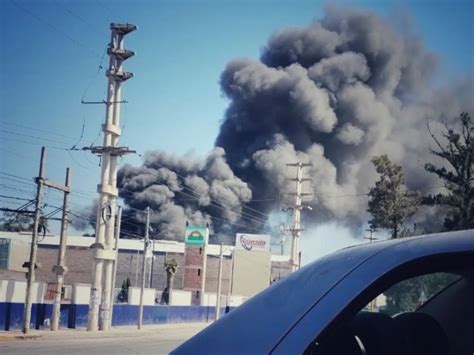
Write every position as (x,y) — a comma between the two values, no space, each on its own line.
(34,246)
(219,285)
(152,263)
(145,249)
(203,274)
(61,268)
(231,274)
(296,220)
(136,269)
(117,237)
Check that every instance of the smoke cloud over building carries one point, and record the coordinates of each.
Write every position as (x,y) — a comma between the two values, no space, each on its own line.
(334,93)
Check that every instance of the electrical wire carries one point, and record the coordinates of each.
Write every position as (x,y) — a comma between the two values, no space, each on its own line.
(76,16)
(53,27)
(35,129)
(32,137)
(95,76)
(15,198)
(32,143)
(17,181)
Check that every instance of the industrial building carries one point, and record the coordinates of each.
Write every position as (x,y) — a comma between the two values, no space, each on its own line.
(244,272)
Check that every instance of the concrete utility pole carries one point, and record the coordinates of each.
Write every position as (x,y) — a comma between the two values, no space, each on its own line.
(371,238)
(372,304)
(137,267)
(109,152)
(61,268)
(297,207)
(41,181)
(34,247)
(117,237)
(145,250)
(150,284)
(219,284)
(231,275)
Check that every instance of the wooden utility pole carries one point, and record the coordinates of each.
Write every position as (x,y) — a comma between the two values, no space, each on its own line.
(145,250)
(61,268)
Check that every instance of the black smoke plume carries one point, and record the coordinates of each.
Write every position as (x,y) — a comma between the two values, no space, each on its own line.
(334,94)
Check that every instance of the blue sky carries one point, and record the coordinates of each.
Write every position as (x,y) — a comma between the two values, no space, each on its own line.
(51,51)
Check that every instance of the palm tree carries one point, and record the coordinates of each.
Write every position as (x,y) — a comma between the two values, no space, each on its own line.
(171,266)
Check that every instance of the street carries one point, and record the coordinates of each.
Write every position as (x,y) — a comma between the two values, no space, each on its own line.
(161,341)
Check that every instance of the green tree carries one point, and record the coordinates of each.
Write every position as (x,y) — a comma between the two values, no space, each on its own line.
(457,173)
(408,295)
(171,266)
(123,295)
(390,203)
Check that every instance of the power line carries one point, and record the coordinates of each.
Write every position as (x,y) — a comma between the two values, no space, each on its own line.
(95,76)
(186,194)
(213,201)
(16,198)
(53,27)
(32,137)
(18,182)
(31,143)
(109,10)
(223,207)
(35,129)
(14,189)
(76,16)
(34,159)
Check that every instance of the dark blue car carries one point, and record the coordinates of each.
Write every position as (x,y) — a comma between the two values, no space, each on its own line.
(327,307)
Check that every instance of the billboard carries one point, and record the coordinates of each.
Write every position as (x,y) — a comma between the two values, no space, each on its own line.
(252,242)
(196,235)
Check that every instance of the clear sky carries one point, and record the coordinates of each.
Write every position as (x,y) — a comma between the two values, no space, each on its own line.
(52,49)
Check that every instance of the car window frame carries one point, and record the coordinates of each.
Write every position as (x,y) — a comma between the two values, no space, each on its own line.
(353,293)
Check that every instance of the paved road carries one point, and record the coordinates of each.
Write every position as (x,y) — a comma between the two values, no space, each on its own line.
(161,342)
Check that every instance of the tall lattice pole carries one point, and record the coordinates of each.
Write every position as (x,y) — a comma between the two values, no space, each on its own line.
(109,152)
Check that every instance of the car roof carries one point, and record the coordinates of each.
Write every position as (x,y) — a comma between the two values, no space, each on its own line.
(260,323)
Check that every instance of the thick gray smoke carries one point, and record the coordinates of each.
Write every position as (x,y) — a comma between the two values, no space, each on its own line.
(180,190)
(334,94)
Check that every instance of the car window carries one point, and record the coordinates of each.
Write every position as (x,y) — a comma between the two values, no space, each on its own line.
(408,295)
(393,323)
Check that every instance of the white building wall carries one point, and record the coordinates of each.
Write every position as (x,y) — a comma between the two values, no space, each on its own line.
(148,296)
(81,293)
(14,291)
(180,298)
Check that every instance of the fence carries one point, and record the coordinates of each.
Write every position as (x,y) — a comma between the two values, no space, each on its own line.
(75,316)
